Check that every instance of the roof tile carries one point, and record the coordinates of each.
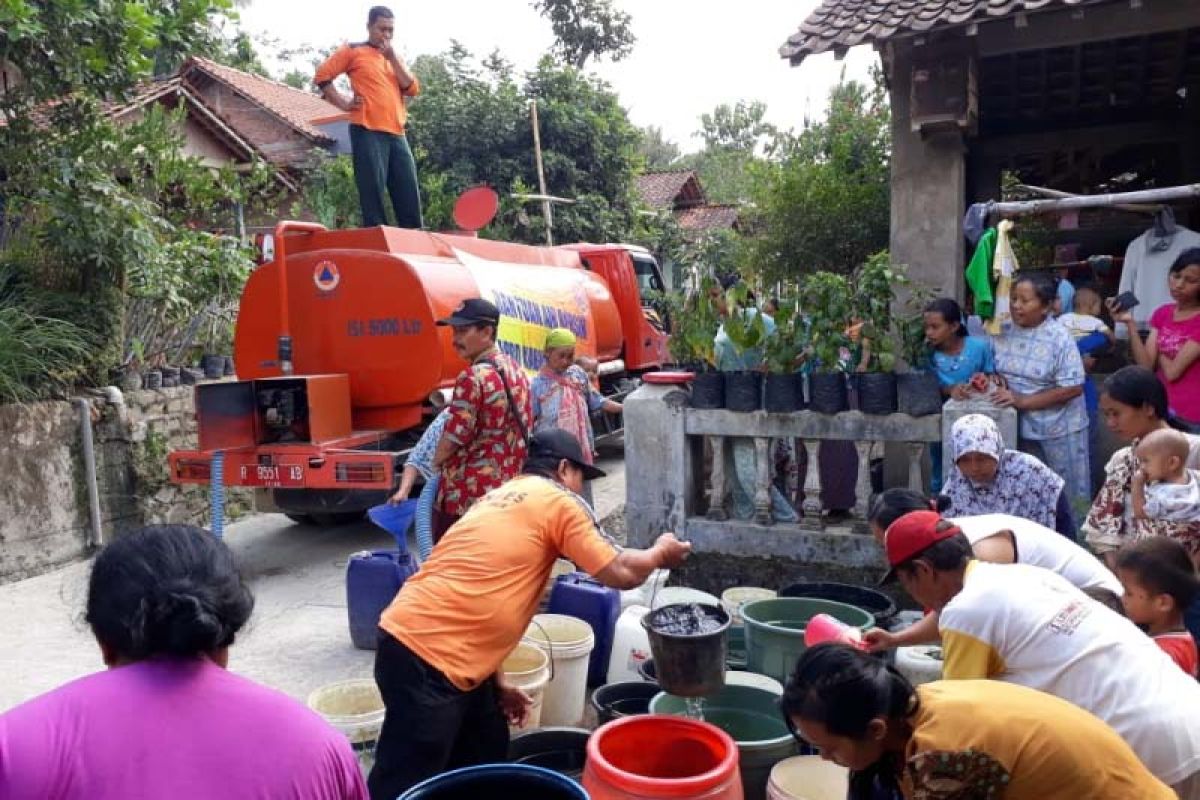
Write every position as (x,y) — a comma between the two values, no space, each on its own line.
(659,189)
(846,23)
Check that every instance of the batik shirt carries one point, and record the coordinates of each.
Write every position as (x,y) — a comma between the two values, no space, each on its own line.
(491,445)
(1033,360)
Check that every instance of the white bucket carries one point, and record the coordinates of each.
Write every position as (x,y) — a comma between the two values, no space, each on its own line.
(682,594)
(631,646)
(356,710)
(528,667)
(570,642)
(808,778)
(921,663)
(734,598)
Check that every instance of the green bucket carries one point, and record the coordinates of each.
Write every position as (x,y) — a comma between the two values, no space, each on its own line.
(752,717)
(775,630)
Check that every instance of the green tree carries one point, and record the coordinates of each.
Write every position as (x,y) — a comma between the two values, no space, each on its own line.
(736,138)
(741,126)
(587,29)
(660,154)
(823,201)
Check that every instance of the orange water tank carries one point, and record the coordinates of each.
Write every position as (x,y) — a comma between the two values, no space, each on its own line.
(364,302)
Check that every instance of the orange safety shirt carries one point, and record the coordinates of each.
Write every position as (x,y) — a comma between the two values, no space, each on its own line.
(470,603)
(373,79)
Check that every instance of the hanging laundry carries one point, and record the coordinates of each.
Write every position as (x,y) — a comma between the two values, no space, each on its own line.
(979,274)
(1004,266)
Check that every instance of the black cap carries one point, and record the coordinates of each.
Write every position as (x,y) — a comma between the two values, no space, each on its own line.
(557,444)
(472,311)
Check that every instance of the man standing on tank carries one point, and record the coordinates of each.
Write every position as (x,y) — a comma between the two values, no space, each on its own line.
(486,438)
(382,85)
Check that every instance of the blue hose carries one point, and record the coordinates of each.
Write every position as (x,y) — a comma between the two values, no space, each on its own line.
(217,494)
(425,516)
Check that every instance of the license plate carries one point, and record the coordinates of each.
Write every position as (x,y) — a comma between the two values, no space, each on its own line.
(272,475)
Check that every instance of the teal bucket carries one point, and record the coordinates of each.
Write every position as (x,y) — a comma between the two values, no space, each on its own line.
(775,630)
(752,717)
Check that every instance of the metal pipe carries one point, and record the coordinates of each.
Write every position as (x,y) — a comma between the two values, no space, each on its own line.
(284,351)
(96,534)
(1163,195)
(1055,193)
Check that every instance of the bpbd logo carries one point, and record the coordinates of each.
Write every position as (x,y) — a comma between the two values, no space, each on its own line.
(326,276)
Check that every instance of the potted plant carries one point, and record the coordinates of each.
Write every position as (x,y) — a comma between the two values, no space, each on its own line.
(694,326)
(825,298)
(875,285)
(918,391)
(746,328)
(783,390)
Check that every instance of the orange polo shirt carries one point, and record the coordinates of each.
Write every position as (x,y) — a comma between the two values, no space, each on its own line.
(373,79)
(469,604)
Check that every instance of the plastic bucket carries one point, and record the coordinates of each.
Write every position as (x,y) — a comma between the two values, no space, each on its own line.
(735,658)
(920,663)
(734,598)
(528,667)
(661,756)
(688,664)
(354,708)
(560,749)
(497,780)
(568,642)
(753,679)
(882,607)
(672,595)
(625,699)
(775,630)
(808,778)
(751,716)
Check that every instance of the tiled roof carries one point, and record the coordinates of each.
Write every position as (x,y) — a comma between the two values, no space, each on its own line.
(838,24)
(707,218)
(660,189)
(296,107)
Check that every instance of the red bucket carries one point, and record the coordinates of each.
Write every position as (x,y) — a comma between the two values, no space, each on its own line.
(661,756)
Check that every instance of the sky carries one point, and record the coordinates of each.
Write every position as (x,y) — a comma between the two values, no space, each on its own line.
(691,55)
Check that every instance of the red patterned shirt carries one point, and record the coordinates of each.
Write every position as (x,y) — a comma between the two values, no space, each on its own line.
(491,449)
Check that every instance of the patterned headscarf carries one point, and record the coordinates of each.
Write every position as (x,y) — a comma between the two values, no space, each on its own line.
(1023,486)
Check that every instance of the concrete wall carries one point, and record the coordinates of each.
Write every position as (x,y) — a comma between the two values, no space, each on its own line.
(928,193)
(44,519)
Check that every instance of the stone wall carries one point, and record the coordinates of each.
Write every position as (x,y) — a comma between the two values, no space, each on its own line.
(44,519)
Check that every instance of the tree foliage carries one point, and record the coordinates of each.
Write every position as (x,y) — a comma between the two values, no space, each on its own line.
(823,201)
(587,29)
(659,153)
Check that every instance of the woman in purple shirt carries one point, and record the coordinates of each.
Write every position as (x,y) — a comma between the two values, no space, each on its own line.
(166,719)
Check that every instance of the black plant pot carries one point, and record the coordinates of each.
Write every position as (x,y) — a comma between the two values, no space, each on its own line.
(877,393)
(152,379)
(230,367)
(743,391)
(708,390)
(213,366)
(919,393)
(827,393)
(783,394)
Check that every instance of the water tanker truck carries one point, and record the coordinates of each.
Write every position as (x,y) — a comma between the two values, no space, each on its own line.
(340,365)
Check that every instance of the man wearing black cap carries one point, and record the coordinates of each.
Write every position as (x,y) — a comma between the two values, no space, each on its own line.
(447,633)
(491,413)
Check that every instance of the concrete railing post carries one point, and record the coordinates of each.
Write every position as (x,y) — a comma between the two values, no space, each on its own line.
(659,471)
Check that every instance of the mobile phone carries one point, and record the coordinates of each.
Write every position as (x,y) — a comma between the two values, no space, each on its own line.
(1126,301)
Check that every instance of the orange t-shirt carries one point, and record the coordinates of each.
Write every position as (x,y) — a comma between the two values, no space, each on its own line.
(373,79)
(1181,647)
(470,603)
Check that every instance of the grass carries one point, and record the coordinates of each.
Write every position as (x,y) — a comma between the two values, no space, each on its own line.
(39,355)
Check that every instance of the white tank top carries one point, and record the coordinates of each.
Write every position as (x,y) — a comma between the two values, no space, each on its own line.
(1042,547)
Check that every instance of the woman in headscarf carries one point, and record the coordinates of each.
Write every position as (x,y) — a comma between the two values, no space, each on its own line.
(563,396)
(990,479)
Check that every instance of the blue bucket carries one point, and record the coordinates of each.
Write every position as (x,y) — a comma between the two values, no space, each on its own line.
(497,780)
(395,519)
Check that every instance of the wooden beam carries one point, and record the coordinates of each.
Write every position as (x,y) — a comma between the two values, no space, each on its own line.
(1110,21)
(1114,135)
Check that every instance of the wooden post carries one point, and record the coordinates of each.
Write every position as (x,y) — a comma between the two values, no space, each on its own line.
(547,208)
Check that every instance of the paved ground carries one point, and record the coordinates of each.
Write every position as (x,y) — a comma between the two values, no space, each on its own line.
(296,641)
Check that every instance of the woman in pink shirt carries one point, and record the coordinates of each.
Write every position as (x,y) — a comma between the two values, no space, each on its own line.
(166,719)
(1173,346)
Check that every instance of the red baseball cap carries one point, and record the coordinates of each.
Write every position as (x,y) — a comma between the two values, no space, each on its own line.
(911,535)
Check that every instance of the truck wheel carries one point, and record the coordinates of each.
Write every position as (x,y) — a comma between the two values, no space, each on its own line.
(333,519)
(300,519)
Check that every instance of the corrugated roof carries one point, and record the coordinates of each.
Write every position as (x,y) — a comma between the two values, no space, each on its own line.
(707,218)
(660,189)
(840,24)
(296,107)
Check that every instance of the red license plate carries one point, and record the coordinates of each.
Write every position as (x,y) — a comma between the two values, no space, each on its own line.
(272,475)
